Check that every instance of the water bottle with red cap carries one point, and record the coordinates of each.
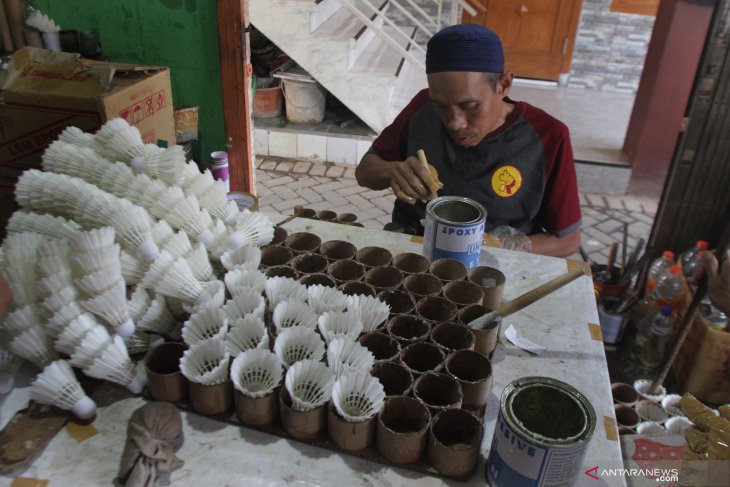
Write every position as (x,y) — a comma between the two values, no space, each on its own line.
(690,259)
(670,287)
(657,268)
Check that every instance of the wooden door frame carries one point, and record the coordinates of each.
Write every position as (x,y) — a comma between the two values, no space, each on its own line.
(235,67)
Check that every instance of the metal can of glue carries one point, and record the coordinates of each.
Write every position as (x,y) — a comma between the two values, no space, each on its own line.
(454,228)
(542,434)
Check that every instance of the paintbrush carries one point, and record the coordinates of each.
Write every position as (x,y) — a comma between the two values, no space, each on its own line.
(526,299)
(433,184)
(623,247)
(584,255)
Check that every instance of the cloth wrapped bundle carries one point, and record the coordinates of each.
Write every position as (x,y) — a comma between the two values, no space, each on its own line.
(152,431)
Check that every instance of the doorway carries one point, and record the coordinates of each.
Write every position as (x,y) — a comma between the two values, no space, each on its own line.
(538,36)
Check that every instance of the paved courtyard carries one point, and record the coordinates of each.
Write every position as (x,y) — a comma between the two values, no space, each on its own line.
(283,183)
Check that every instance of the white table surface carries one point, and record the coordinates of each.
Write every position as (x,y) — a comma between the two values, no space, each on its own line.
(217,453)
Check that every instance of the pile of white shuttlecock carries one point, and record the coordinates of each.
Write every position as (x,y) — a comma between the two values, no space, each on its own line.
(115,238)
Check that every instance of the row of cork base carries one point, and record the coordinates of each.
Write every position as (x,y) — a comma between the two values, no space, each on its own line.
(401,429)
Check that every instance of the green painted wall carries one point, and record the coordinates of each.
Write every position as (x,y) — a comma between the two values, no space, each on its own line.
(181,34)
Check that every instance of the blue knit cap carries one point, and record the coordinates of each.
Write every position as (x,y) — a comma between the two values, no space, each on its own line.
(465,47)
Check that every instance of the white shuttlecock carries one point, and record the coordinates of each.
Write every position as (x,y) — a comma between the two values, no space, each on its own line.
(157,319)
(138,303)
(344,355)
(157,270)
(72,336)
(206,363)
(119,141)
(34,345)
(132,224)
(220,240)
(9,365)
(280,289)
(199,182)
(99,281)
(162,232)
(213,296)
(288,314)
(243,279)
(256,373)
(62,317)
(138,343)
(94,342)
(247,256)
(187,215)
(215,200)
(90,240)
(298,343)
(207,324)
(190,173)
(246,333)
(94,260)
(334,324)
(309,384)
(243,304)
(178,245)
(114,365)
(21,279)
(76,136)
(41,22)
(53,283)
(324,298)
(358,396)
(200,263)
(133,269)
(55,302)
(179,282)
(43,223)
(251,228)
(54,264)
(57,386)
(111,307)
(164,164)
(372,311)
(21,319)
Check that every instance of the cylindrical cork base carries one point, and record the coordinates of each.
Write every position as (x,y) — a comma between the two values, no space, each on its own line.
(383,347)
(314,279)
(165,382)
(400,302)
(396,379)
(303,242)
(463,293)
(454,440)
(433,308)
(421,285)
(492,283)
(408,329)
(474,373)
(353,288)
(422,357)
(350,436)
(309,263)
(402,429)
(384,278)
(275,255)
(280,235)
(448,270)
(624,394)
(438,392)
(211,400)
(337,250)
(326,215)
(452,336)
(302,425)
(626,416)
(281,271)
(373,256)
(410,263)
(486,340)
(257,411)
(343,271)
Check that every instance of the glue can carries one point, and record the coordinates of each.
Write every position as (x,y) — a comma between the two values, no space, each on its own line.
(219,167)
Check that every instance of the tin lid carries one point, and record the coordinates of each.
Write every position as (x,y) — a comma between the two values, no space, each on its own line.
(456,210)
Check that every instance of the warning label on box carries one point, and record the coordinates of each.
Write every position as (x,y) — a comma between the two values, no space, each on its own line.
(146,108)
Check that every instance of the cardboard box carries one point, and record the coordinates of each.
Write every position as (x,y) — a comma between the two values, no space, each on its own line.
(702,366)
(46,91)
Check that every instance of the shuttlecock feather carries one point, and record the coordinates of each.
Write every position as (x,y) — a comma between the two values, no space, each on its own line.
(358,396)
(298,343)
(207,324)
(9,365)
(57,386)
(114,365)
(111,307)
(43,223)
(251,228)
(243,279)
(21,319)
(179,282)
(256,373)
(206,362)
(246,334)
(309,384)
(72,336)
(35,346)
(344,356)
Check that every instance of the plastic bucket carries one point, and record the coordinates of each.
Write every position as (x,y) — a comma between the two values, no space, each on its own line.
(267,99)
(304,101)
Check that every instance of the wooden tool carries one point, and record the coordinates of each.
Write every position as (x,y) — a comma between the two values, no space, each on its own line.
(432,185)
(612,256)
(298,210)
(526,299)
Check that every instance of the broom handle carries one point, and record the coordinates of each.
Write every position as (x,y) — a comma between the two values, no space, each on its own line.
(689,317)
(5,30)
(14,13)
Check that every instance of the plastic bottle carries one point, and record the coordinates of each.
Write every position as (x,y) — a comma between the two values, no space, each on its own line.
(690,258)
(658,267)
(670,287)
(657,338)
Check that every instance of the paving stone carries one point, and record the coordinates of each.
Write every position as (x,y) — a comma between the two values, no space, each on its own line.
(349,173)
(330,185)
(301,167)
(335,171)
(267,165)
(310,195)
(317,170)
(280,181)
(610,227)
(334,198)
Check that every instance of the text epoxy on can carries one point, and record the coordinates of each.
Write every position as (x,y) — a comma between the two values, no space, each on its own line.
(542,434)
(454,229)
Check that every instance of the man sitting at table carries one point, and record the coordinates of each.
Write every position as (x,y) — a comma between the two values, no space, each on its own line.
(513,158)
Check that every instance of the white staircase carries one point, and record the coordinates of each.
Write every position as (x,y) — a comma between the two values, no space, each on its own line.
(361,51)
